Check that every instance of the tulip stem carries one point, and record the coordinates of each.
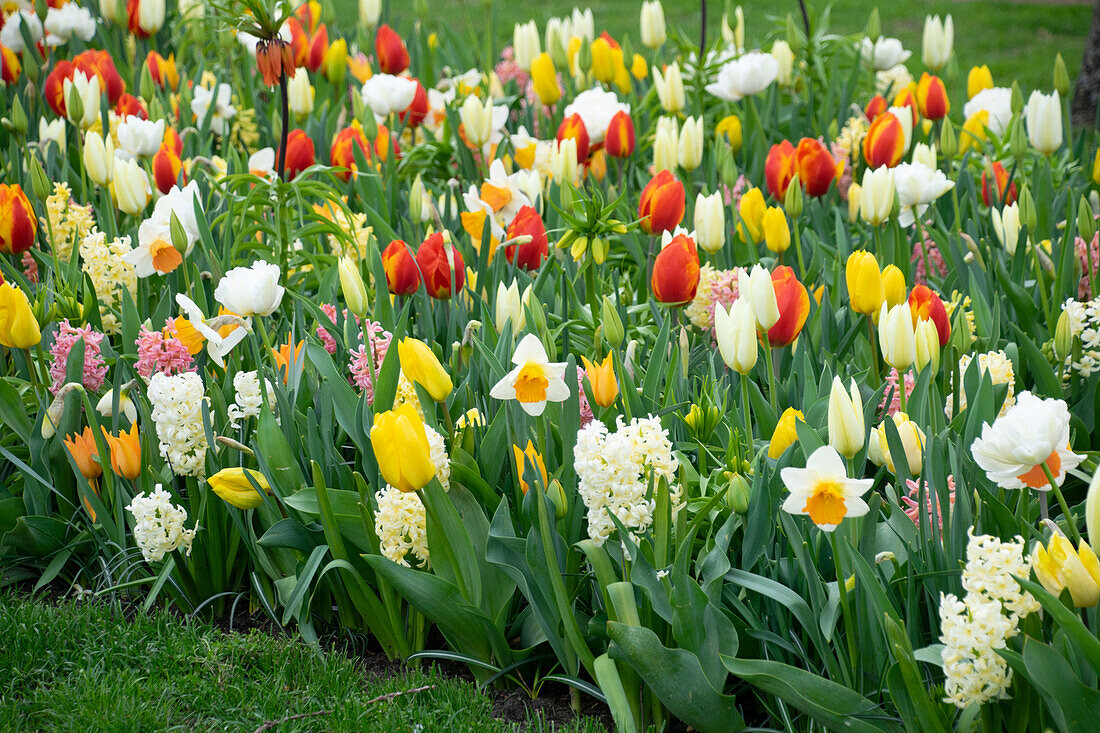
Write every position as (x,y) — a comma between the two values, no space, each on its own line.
(1044,298)
(845,609)
(1070,521)
(745,406)
(798,250)
(286,125)
(772,398)
(874,350)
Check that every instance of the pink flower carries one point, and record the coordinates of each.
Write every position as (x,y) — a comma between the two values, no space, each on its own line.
(1083,287)
(365,364)
(732,196)
(912,501)
(322,333)
(95,367)
(920,272)
(844,181)
(723,291)
(30,267)
(508,70)
(586,408)
(161,351)
(892,388)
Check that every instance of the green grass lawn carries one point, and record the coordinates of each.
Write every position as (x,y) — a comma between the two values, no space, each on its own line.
(73,667)
(1017,39)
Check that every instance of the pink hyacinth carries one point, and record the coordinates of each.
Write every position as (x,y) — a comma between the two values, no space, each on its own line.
(508,70)
(95,367)
(921,269)
(30,267)
(892,388)
(732,196)
(322,333)
(724,291)
(363,363)
(1083,287)
(844,181)
(162,351)
(912,501)
(585,407)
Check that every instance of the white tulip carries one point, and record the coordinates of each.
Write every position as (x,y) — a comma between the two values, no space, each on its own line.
(938,41)
(1006,225)
(998,102)
(138,138)
(1044,121)
(876,197)
(477,120)
(300,93)
(735,332)
(918,186)
(653,24)
(925,155)
(525,44)
(131,186)
(745,76)
(884,53)
(99,157)
(690,144)
(757,286)
(670,87)
(784,56)
(710,222)
(387,94)
(83,93)
(251,291)
(896,336)
(666,145)
(369,13)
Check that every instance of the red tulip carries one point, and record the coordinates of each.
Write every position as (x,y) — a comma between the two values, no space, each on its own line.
(318,45)
(885,142)
(619,142)
(102,65)
(1001,175)
(779,169)
(435,266)
(17,221)
(129,105)
(54,88)
(10,67)
(932,97)
(163,70)
(390,51)
(907,97)
(300,153)
(573,127)
(875,107)
(794,306)
(925,304)
(173,138)
(299,44)
(167,167)
(528,256)
(418,109)
(815,165)
(402,274)
(342,154)
(661,208)
(676,271)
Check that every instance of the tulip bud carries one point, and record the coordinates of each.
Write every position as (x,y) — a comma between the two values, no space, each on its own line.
(792,202)
(420,365)
(756,285)
(56,411)
(735,331)
(897,340)
(1061,76)
(738,491)
(613,329)
(1017,99)
(847,428)
(1017,139)
(1095,167)
(855,198)
(928,345)
(949,139)
(584,58)
(556,493)
(1086,222)
(1092,511)
(710,222)
(416,199)
(18,117)
(777,233)
(99,158)
(691,143)
(1063,338)
(893,285)
(351,285)
(40,182)
(912,441)
(795,38)
(1026,203)
(874,25)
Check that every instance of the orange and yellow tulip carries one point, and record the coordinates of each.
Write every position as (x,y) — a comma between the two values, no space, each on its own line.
(676,271)
(661,207)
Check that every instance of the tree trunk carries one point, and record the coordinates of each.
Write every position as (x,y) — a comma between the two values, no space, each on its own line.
(1087,94)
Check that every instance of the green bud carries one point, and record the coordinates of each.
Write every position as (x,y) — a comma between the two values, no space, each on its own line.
(795,38)
(557,497)
(792,202)
(1086,223)
(874,25)
(727,165)
(1061,76)
(147,87)
(416,198)
(599,249)
(74,105)
(833,129)
(179,237)
(628,49)
(536,314)
(41,8)
(584,57)
(40,182)
(1017,98)
(353,288)
(1063,337)
(738,491)
(557,53)
(1028,215)
(613,329)
(949,139)
(1017,139)
(156,110)
(370,126)
(18,117)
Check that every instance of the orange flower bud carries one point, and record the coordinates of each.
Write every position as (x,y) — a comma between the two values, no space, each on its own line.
(342,155)
(907,97)
(300,153)
(924,304)
(18,224)
(163,70)
(84,452)
(815,165)
(676,271)
(129,105)
(932,97)
(573,127)
(875,107)
(779,169)
(418,109)
(125,452)
(885,142)
(661,208)
(619,142)
(794,306)
(1001,175)
(601,376)
(529,256)
(318,47)
(390,51)
(167,167)
(435,265)
(402,275)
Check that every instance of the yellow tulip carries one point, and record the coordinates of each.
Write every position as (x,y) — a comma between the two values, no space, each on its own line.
(603,61)
(419,365)
(235,487)
(526,457)
(978,79)
(730,126)
(973,133)
(639,69)
(545,79)
(912,441)
(893,285)
(865,289)
(777,233)
(401,448)
(1058,567)
(785,433)
(751,209)
(18,326)
(1096,168)
(605,388)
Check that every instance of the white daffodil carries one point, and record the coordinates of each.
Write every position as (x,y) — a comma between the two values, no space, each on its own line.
(534,381)
(823,491)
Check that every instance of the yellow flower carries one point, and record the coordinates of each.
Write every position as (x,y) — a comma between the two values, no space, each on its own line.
(419,365)
(526,457)
(865,289)
(545,79)
(18,326)
(605,388)
(785,434)
(751,209)
(603,61)
(973,133)
(893,285)
(237,486)
(777,233)
(401,448)
(912,441)
(730,126)
(638,67)
(978,79)
(1058,567)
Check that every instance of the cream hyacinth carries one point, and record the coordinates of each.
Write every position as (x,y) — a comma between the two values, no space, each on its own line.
(401,522)
(177,403)
(158,525)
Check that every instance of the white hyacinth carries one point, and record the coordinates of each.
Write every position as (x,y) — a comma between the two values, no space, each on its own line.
(249,398)
(177,411)
(400,521)
(158,525)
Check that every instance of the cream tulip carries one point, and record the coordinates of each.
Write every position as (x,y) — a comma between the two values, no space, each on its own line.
(131,186)
(847,429)
(477,120)
(1044,121)
(710,222)
(1006,225)
(666,146)
(99,157)
(300,93)
(758,287)
(525,44)
(876,195)
(690,143)
(82,99)
(896,337)
(784,56)
(670,87)
(735,332)
(938,41)
(653,24)
(928,345)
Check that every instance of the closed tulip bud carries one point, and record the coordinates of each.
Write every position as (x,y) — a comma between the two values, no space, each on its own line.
(619,141)
(82,99)
(661,208)
(240,487)
(665,149)
(1006,225)
(18,326)
(710,222)
(18,224)
(751,211)
(730,127)
(777,233)
(691,143)
(1061,76)
(369,13)
(784,56)
(1059,567)
(420,366)
(1028,216)
(125,452)
(18,117)
(876,198)
(928,345)
(1096,168)
(893,285)
(390,51)
(1044,121)
(477,119)
(977,80)
(855,200)
(896,338)
(912,441)
(1092,511)
(1086,220)
(670,88)
(865,290)
(601,378)
(300,93)
(509,307)
(1063,338)
(738,492)
(131,187)
(401,448)
(676,272)
(932,99)
(584,57)
(735,332)
(82,447)
(793,302)
(786,432)
(874,24)
(885,142)
(526,44)
(847,428)
(613,329)
(938,41)
(40,183)
(949,140)
(756,285)
(1016,101)
(792,200)
(351,285)
(653,24)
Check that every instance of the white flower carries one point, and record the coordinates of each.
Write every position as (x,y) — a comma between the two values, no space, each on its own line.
(300,93)
(937,42)
(1033,433)
(745,76)
(596,108)
(262,162)
(177,403)
(525,44)
(876,199)
(823,491)
(158,524)
(999,368)
(387,94)
(735,332)
(131,186)
(477,120)
(710,222)
(248,400)
(892,80)
(251,291)
(217,346)
(756,285)
(401,523)
(67,21)
(218,105)
(918,186)
(653,24)
(535,380)
(670,87)
(998,102)
(138,138)
(884,53)
(690,143)
(1006,225)
(87,90)
(784,56)
(925,155)
(156,231)
(11,35)
(51,132)
(1044,121)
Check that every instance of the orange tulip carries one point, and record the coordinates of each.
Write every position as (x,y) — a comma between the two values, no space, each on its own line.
(10,68)
(300,153)
(286,356)
(529,456)
(1006,197)
(619,142)
(676,271)
(54,87)
(779,169)
(102,65)
(794,306)
(924,304)
(435,266)
(84,452)
(342,154)
(390,51)
(601,376)
(661,208)
(418,109)
(402,275)
(318,46)
(163,70)
(167,167)
(932,97)
(527,222)
(907,97)
(18,224)
(875,107)
(125,452)
(815,165)
(885,142)
(573,127)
